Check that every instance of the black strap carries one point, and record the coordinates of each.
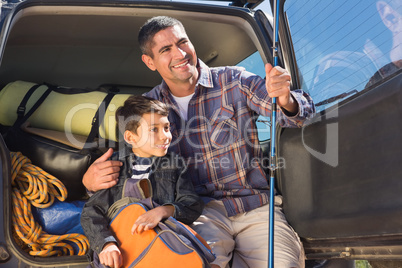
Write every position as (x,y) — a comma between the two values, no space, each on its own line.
(22,107)
(98,119)
(21,119)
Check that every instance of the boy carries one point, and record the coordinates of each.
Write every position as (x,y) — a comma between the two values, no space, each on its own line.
(146,129)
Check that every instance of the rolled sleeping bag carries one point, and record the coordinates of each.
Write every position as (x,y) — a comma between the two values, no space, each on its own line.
(65,112)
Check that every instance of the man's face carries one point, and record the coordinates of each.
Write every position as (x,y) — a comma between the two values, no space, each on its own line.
(152,137)
(174,56)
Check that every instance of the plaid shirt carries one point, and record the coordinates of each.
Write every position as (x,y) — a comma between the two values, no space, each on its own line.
(219,140)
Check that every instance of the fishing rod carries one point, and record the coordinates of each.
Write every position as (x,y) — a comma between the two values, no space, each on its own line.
(273,164)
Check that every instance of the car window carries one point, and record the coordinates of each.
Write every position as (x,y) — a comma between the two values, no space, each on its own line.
(343,46)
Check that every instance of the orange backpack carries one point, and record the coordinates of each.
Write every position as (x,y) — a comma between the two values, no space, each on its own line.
(170,244)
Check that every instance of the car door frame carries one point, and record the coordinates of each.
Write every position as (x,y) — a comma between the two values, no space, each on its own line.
(320,199)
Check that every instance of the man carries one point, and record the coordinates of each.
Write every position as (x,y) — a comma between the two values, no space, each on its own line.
(213,127)
(391,15)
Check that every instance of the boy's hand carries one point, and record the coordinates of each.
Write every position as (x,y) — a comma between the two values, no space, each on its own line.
(102,174)
(151,218)
(110,256)
(278,86)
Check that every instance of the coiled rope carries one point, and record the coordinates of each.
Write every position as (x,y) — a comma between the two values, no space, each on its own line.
(32,185)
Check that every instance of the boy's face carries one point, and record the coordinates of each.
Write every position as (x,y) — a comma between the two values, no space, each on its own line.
(152,138)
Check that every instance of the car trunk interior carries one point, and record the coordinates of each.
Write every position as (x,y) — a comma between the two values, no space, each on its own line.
(92,46)
(95,48)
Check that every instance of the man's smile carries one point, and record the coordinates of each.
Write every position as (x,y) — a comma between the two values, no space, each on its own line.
(180,65)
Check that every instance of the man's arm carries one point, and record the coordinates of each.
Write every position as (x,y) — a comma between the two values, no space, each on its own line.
(296,106)
(102,174)
(278,86)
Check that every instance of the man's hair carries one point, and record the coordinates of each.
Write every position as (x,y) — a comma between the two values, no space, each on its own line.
(152,27)
(129,115)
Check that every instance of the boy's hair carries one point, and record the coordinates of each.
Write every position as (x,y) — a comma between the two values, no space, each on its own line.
(129,115)
(152,27)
